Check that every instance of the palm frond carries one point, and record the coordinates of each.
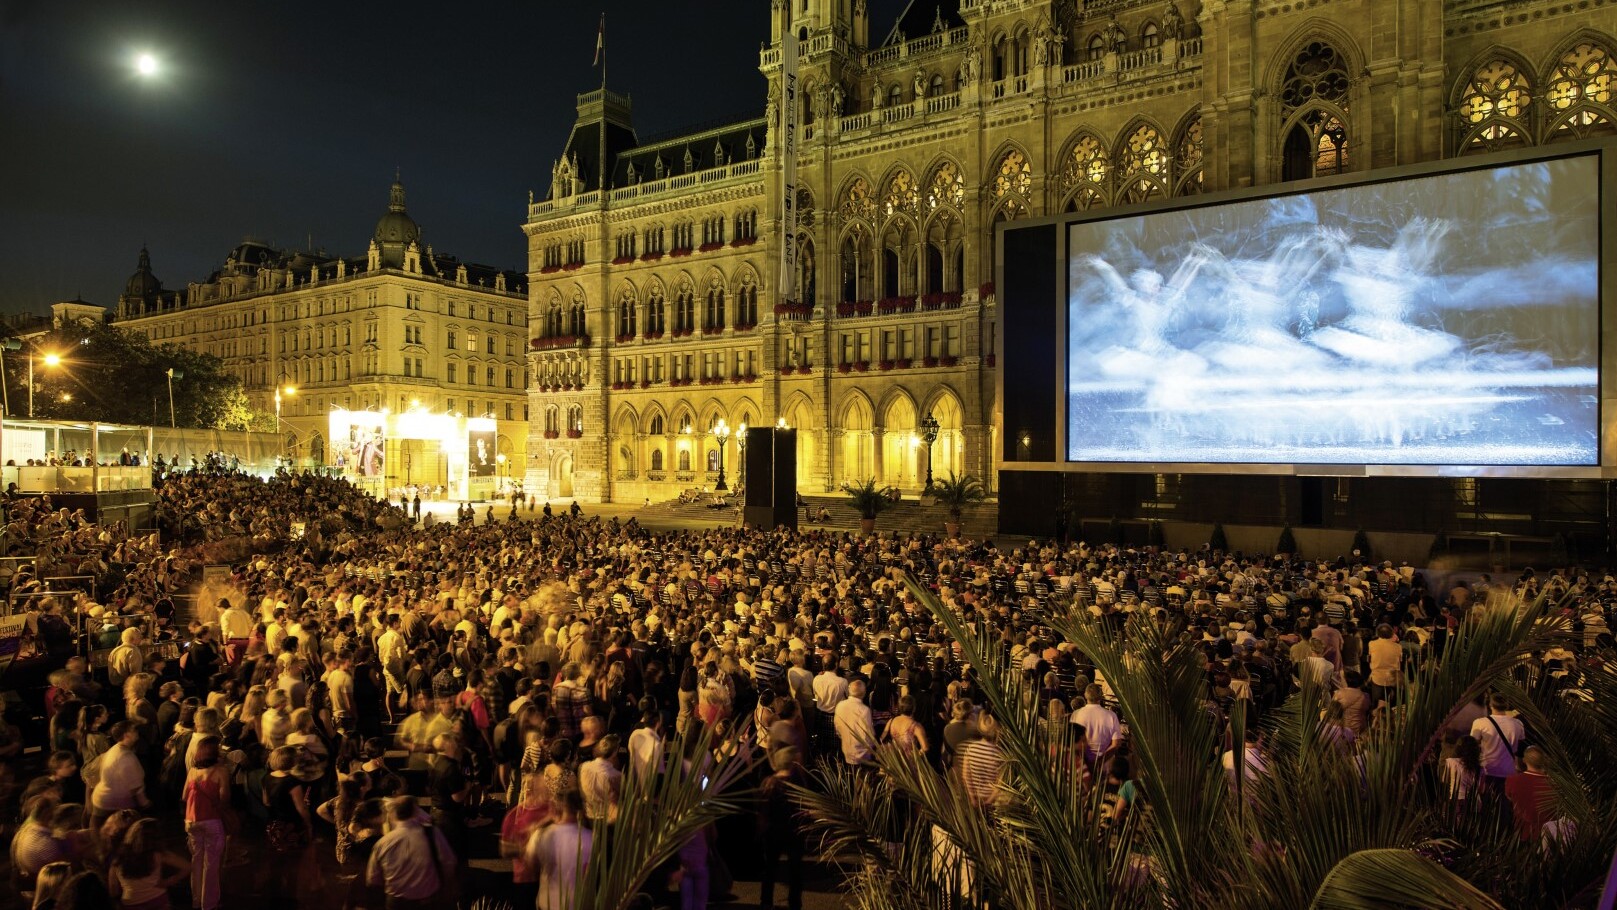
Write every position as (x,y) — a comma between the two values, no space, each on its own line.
(658,814)
(1382,879)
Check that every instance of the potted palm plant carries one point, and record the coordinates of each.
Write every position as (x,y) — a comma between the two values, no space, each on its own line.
(870,500)
(955,492)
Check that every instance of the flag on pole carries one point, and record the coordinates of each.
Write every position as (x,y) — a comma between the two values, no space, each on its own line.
(600,41)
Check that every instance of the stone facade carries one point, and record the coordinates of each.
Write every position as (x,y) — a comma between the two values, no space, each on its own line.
(653,304)
(400,328)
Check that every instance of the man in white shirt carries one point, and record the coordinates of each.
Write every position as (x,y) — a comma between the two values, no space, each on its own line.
(560,852)
(235,627)
(402,861)
(1500,736)
(600,781)
(856,726)
(646,743)
(829,690)
(1100,723)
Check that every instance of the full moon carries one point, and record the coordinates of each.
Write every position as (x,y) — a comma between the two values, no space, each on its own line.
(146,65)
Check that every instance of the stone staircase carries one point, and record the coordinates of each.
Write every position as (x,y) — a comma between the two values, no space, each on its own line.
(976,521)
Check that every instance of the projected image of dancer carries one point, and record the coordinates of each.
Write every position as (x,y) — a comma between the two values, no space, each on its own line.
(1400,323)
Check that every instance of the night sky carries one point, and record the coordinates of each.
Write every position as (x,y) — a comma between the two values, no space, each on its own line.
(285,121)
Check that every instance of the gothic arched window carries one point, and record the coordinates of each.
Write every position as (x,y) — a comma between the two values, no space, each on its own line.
(1579,92)
(1187,159)
(1014,175)
(1491,106)
(655,314)
(1312,94)
(901,195)
(626,316)
(713,316)
(947,186)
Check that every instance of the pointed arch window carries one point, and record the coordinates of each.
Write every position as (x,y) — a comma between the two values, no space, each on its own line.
(656,314)
(747,304)
(626,316)
(1316,73)
(713,315)
(1491,105)
(858,201)
(684,311)
(947,187)
(1150,36)
(1096,48)
(1014,175)
(902,194)
(1579,92)
(1187,159)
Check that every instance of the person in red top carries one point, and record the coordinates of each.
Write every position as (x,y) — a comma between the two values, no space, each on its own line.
(1532,801)
(527,816)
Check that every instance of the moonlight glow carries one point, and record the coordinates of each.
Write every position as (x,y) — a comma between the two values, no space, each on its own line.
(146,64)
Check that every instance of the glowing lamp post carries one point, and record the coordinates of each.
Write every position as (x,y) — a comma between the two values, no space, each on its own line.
(290,390)
(172,375)
(51,360)
(722,431)
(929,434)
(741,453)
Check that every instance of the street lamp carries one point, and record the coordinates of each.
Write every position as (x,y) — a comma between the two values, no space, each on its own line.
(290,390)
(929,433)
(172,375)
(722,431)
(51,360)
(741,453)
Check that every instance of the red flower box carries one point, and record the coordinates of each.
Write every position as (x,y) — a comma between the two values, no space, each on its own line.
(682,251)
(844,367)
(950,361)
(845,308)
(572,265)
(929,361)
(805,369)
(862,366)
(787,370)
(905,363)
(575,434)
(745,326)
(743,241)
(738,379)
(552,434)
(653,335)
(549,269)
(651,257)
(987,290)
(990,359)
(885,365)
(645,383)
(709,247)
(625,339)
(864,307)
(623,260)
(794,310)
(712,330)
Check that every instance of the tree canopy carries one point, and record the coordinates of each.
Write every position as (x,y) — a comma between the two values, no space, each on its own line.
(111,375)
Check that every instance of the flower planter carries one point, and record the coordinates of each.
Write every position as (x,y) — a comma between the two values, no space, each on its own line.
(950,361)
(886,365)
(651,257)
(929,362)
(709,247)
(862,366)
(844,367)
(743,241)
(990,360)
(682,251)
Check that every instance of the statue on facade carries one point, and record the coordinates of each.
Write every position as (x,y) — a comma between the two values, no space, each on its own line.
(836,100)
(1173,23)
(920,84)
(1114,36)
(875,95)
(822,100)
(968,66)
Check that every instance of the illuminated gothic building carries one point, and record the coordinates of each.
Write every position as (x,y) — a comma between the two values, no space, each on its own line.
(653,306)
(400,328)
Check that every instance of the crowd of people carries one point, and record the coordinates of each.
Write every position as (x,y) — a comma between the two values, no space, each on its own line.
(372,701)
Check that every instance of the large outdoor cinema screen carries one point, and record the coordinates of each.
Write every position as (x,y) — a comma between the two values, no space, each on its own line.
(1449,319)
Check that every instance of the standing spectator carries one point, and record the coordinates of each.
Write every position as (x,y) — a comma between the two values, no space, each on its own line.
(782,828)
(122,780)
(138,873)
(855,726)
(1386,661)
(560,852)
(1100,723)
(1532,799)
(207,806)
(1500,736)
(517,828)
(290,827)
(412,863)
(600,782)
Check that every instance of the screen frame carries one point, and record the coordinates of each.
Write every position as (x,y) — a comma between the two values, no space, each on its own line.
(1605,152)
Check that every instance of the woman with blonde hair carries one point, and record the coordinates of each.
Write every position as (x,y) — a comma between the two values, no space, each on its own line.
(275,723)
(48,884)
(137,707)
(251,711)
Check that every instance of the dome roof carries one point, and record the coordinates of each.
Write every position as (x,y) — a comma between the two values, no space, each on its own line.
(143,284)
(397,226)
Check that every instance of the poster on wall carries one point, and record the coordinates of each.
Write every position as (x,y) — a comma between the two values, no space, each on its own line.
(480,453)
(358,442)
(22,446)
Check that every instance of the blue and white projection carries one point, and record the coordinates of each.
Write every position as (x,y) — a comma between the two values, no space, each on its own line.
(1440,320)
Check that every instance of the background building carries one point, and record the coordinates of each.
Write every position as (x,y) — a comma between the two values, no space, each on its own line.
(400,328)
(653,303)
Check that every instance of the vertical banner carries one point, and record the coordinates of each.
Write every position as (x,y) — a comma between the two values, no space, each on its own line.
(480,452)
(788,172)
